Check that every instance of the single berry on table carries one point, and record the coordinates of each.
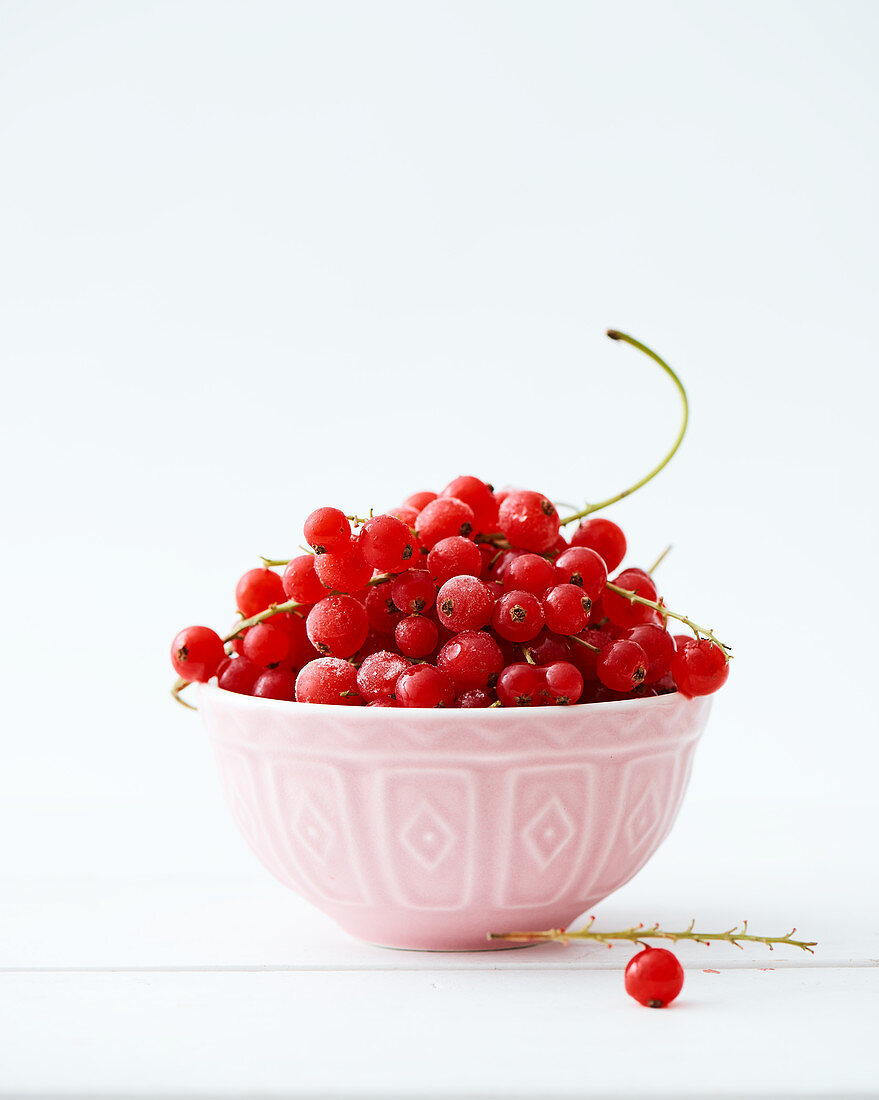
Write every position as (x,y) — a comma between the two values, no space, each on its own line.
(654,977)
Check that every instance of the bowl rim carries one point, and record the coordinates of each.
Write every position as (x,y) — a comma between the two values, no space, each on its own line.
(445,714)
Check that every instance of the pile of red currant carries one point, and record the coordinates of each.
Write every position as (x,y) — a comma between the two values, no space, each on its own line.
(465,598)
(469,597)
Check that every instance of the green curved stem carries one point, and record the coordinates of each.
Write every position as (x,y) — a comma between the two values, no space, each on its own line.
(590,508)
(654,932)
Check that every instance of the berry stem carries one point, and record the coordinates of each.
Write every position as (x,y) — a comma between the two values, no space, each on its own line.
(654,932)
(700,631)
(590,508)
(660,560)
(585,644)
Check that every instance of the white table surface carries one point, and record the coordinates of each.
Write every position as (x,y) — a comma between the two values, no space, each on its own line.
(133,981)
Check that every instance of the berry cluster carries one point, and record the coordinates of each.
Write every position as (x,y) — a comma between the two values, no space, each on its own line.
(464,598)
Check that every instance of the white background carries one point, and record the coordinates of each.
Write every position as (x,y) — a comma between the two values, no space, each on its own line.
(258,257)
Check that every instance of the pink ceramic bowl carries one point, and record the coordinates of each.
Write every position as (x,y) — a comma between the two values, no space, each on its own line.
(430,828)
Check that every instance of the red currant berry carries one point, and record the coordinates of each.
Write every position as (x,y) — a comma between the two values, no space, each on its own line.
(337,626)
(622,665)
(654,977)
(657,644)
(681,641)
(382,612)
(416,636)
(700,668)
(622,610)
(239,676)
(471,659)
(529,521)
(584,568)
(378,674)
(567,609)
(547,648)
(196,653)
(464,603)
(454,557)
(327,529)
(300,581)
(604,537)
(257,590)
(343,570)
(479,497)
(406,514)
(476,698)
(328,680)
(518,616)
(530,573)
(520,685)
(384,702)
(266,644)
(275,683)
(301,650)
(442,518)
(414,591)
(585,656)
(564,683)
(388,544)
(419,501)
(424,686)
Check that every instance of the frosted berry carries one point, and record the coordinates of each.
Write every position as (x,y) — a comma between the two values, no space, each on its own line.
(257,590)
(518,616)
(475,699)
(654,977)
(328,680)
(337,626)
(424,686)
(416,636)
(443,518)
(471,659)
(464,603)
(604,537)
(327,529)
(343,570)
(529,521)
(378,674)
(700,668)
(453,557)
(196,653)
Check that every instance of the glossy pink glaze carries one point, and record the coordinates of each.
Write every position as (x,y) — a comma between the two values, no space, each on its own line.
(430,828)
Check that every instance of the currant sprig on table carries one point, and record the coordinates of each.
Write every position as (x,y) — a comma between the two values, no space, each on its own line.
(469,597)
(640,932)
